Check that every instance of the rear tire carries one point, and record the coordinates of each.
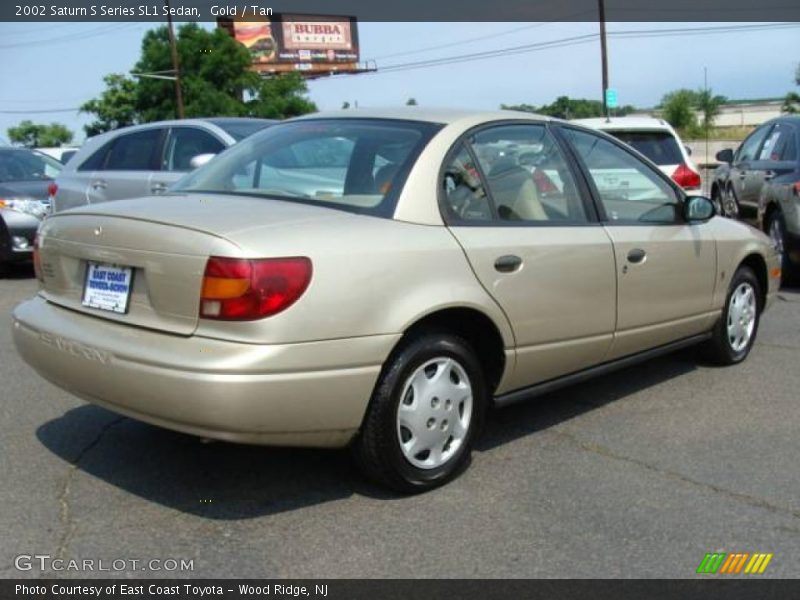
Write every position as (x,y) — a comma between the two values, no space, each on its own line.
(775,228)
(426,410)
(730,205)
(735,332)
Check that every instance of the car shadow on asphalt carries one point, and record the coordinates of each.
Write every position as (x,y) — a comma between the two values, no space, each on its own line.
(226,481)
(22,270)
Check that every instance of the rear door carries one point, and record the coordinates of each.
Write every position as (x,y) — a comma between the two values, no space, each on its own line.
(128,165)
(665,268)
(181,146)
(512,200)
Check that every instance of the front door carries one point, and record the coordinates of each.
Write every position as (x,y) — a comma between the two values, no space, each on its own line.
(665,267)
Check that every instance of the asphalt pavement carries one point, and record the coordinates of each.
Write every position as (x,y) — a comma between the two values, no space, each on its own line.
(639,473)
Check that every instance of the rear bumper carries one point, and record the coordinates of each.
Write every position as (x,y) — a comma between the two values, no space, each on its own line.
(308,394)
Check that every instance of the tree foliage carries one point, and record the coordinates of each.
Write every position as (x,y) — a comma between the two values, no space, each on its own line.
(682,107)
(215,81)
(411,102)
(116,106)
(35,135)
(565,107)
(791,104)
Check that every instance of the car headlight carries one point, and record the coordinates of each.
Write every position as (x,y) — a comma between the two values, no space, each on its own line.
(29,206)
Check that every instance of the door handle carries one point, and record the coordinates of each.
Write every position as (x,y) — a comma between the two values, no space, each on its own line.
(157,188)
(769,175)
(99,184)
(507,263)
(637,255)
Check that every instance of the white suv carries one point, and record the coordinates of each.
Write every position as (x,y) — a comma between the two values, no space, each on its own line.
(657,140)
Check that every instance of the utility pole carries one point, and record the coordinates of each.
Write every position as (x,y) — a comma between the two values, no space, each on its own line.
(176,64)
(603,53)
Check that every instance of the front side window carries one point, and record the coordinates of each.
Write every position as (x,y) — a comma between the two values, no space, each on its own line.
(136,151)
(747,151)
(357,164)
(187,142)
(630,190)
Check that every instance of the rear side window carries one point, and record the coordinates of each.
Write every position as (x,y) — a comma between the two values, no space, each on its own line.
(659,146)
(780,145)
(136,151)
(187,142)
(97,161)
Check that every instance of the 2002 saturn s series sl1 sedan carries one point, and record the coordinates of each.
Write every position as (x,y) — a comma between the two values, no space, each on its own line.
(378,278)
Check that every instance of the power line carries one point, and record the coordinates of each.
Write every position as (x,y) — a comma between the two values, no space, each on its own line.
(75,36)
(38,112)
(575,40)
(472,40)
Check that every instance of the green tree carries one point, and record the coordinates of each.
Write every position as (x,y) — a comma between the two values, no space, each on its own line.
(35,135)
(565,107)
(116,106)
(411,102)
(791,104)
(215,81)
(345,105)
(678,109)
(709,106)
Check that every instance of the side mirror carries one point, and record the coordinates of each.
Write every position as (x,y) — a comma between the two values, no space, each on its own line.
(698,208)
(200,160)
(725,156)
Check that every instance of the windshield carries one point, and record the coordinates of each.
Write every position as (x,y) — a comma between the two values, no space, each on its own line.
(353,164)
(24,165)
(659,146)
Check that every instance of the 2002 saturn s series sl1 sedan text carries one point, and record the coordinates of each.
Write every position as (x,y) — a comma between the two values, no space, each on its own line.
(378,278)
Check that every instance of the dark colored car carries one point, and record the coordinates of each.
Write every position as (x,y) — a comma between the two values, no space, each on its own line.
(26,185)
(760,183)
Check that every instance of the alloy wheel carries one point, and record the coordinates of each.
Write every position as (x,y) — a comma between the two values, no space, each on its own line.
(741,316)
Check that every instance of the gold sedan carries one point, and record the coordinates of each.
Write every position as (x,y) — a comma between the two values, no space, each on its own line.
(379,278)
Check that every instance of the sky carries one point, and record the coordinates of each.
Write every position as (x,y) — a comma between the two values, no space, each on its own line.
(58,66)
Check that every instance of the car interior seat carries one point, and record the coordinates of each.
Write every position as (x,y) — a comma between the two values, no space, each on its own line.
(514,192)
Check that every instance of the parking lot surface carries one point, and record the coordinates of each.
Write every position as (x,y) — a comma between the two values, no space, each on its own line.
(636,474)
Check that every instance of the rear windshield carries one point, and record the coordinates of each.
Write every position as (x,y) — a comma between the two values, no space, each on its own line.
(352,164)
(239,130)
(659,146)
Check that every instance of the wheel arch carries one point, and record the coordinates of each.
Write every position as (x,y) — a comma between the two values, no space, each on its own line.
(757,263)
(476,327)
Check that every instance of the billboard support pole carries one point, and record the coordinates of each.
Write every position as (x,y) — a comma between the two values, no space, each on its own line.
(175,64)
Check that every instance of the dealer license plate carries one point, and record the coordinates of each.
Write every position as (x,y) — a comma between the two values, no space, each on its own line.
(107,287)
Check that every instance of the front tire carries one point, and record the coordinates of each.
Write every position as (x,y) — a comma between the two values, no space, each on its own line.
(427,407)
(730,205)
(735,332)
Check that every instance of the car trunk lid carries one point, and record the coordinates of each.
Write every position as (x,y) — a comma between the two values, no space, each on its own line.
(166,241)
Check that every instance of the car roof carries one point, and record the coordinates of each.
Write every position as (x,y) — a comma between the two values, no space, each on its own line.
(444,116)
(627,123)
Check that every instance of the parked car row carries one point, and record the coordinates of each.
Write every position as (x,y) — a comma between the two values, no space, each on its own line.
(759,183)
(378,279)
(125,163)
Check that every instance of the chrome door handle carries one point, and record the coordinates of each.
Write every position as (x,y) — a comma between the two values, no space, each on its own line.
(157,188)
(637,255)
(507,263)
(99,185)
(769,175)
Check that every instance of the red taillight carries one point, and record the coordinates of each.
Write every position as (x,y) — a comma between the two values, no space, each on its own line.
(239,289)
(52,189)
(796,188)
(37,264)
(686,178)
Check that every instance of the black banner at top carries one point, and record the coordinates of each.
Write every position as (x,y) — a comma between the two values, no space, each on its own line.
(405,10)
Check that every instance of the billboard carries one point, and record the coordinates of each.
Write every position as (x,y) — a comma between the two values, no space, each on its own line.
(310,44)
